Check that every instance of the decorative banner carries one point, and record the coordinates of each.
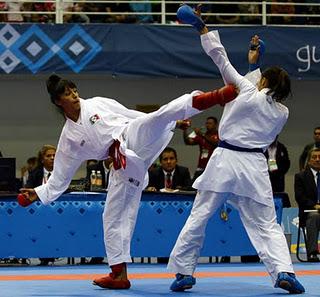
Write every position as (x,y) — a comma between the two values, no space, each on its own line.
(149,50)
(30,47)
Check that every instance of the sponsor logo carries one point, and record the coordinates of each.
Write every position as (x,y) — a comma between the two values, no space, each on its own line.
(93,119)
(134,181)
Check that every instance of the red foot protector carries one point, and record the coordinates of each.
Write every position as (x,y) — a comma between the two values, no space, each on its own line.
(23,200)
(109,282)
(220,96)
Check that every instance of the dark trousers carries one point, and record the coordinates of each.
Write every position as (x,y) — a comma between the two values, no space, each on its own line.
(312,228)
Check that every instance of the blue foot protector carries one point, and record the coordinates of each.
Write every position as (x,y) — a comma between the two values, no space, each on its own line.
(262,49)
(287,281)
(182,282)
(186,15)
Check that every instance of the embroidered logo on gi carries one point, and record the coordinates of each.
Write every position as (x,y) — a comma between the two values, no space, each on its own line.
(134,181)
(93,119)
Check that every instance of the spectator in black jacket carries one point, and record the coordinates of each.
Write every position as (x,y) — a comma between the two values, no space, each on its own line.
(169,176)
(40,175)
(307,193)
(278,164)
(308,147)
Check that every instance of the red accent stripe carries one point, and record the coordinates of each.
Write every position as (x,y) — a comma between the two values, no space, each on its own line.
(39,277)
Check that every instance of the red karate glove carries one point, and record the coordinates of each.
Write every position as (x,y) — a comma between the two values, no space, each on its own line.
(220,96)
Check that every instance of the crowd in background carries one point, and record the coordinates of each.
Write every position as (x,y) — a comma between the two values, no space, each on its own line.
(107,12)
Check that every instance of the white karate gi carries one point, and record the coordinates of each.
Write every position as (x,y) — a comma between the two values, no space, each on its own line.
(142,137)
(252,120)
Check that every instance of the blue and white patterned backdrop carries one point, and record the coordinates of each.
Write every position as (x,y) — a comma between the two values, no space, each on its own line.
(34,48)
(148,50)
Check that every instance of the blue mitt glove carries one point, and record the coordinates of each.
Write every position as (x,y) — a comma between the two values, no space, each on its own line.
(186,15)
(262,48)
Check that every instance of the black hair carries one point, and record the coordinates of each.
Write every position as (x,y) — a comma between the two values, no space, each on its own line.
(278,83)
(213,118)
(316,149)
(168,150)
(56,86)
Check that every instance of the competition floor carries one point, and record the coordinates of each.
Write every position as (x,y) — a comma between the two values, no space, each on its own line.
(150,280)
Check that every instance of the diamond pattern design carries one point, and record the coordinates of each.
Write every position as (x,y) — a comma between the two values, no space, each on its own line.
(77,36)
(8,36)
(8,61)
(76,48)
(34,48)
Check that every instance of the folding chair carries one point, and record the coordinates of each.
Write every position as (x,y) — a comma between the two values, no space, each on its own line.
(301,229)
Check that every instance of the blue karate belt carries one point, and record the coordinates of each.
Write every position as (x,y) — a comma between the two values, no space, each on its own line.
(232,147)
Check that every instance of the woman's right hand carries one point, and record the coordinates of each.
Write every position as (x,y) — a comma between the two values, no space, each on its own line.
(27,196)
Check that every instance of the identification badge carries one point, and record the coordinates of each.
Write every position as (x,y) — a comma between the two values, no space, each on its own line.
(272,164)
(204,154)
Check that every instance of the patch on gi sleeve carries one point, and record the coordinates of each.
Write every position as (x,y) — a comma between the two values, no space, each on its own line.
(93,119)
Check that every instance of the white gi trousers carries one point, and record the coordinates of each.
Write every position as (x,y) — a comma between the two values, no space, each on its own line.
(258,219)
(144,139)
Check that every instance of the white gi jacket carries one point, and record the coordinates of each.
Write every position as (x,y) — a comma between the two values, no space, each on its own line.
(252,120)
(142,137)
(101,121)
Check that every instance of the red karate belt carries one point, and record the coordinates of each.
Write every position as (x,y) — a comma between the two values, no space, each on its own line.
(119,159)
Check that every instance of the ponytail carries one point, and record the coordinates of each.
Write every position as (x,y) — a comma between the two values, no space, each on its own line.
(278,83)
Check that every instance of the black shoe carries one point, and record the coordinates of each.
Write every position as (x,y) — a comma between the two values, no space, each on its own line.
(313,258)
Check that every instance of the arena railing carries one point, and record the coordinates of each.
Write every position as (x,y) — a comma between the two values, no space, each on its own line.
(222,13)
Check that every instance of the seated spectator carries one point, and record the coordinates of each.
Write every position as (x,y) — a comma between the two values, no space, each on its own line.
(313,10)
(281,9)
(11,17)
(207,140)
(169,176)
(250,9)
(40,175)
(3,7)
(77,18)
(43,7)
(225,9)
(278,165)
(122,17)
(142,7)
(26,169)
(307,194)
(97,7)
(14,17)
(308,147)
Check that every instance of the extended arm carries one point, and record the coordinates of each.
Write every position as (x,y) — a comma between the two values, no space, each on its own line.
(211,43)
(63,172)
(255,53)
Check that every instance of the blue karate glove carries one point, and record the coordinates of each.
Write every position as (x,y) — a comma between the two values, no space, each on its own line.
(186,15)
(262,48)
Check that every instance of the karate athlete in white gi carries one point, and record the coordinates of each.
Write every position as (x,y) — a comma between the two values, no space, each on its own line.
(237,170)
(100,127)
